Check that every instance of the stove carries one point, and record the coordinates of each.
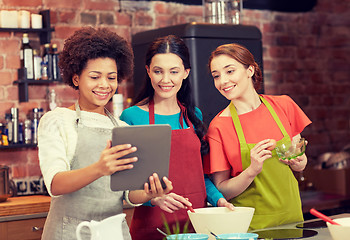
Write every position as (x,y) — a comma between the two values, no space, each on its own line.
(309,230)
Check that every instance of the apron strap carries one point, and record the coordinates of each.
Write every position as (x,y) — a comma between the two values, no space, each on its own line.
(238,125)
(78,115)
(274,115)
(151,111)
(183,112)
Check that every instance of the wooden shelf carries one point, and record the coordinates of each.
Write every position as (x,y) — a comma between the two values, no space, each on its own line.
(23,95)
(18,146)
(37,82)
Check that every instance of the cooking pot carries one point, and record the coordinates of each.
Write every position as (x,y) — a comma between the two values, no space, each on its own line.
(7,187)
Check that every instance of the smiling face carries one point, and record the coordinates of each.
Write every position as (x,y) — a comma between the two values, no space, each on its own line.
(97,84)
(166,72)
(231,78)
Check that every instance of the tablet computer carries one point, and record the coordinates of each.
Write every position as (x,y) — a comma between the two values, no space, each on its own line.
(153,153)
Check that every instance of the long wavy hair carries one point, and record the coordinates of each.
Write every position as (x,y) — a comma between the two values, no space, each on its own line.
(175,45)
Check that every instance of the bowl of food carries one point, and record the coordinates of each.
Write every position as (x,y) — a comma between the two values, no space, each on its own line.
(342,231)
(237,236)
(220,220)
(291,150)
(187,236)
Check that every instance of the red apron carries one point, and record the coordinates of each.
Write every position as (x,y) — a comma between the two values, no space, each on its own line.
(186,174)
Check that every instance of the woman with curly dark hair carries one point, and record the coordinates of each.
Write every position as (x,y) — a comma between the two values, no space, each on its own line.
(167,99)
(75,152)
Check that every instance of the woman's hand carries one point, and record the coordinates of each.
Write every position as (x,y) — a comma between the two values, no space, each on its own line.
(222,202)
(299,163)
(171,202)
(110,161)
(258,154)
(151,190)
(155,188)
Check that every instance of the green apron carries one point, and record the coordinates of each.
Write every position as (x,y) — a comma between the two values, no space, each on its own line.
(274,193)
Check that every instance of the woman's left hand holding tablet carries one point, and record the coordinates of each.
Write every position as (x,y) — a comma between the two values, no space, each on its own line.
(110,161)
(155,189)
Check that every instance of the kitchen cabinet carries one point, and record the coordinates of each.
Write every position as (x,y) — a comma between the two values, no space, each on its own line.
(23,217)
(29,229)
(45,37)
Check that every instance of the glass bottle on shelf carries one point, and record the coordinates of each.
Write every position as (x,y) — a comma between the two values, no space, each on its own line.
(44,73)
(15,125)
(55,69)
(27,131)
(9,127)
(47,59)
(52,100)
(35,124)
(26,56)
(37,65)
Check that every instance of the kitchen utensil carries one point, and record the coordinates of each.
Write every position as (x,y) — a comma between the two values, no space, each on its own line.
(7,188)
(322,216)
(213,234)
(191,209)
(162,232)
(342,231)
(238,236)
(221,220)
(292,150)
(189,236)
(108,229)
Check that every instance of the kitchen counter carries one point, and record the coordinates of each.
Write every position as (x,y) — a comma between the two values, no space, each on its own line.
(36,206)
(24,207)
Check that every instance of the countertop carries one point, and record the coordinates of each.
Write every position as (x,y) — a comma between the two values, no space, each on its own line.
(35,206)
(24,207)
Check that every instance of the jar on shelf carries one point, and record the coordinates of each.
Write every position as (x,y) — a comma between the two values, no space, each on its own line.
(223,11)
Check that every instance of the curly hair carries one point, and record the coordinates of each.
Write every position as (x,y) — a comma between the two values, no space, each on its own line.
(174,44)
(89,43)
(241,55)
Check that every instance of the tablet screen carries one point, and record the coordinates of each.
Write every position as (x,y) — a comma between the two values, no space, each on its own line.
(153,152)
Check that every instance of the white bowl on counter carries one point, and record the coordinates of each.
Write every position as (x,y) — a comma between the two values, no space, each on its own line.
(342,231)
(220,220)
